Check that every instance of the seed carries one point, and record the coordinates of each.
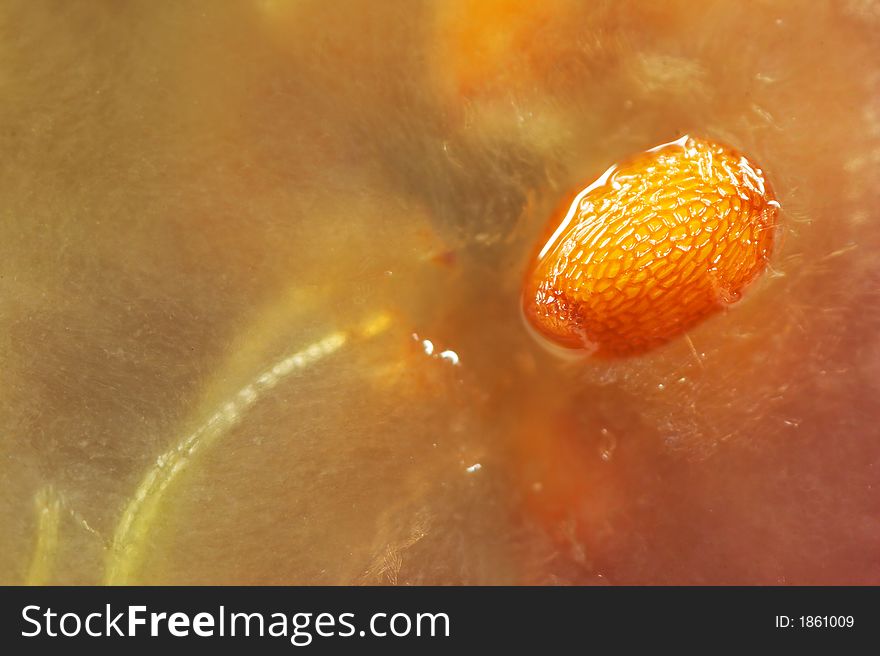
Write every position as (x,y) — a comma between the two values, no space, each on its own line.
(688,265)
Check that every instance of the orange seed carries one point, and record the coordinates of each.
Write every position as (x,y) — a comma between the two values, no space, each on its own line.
(651,248)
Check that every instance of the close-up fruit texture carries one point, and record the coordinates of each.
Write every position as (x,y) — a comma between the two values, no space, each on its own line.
(651,248)
(337,293)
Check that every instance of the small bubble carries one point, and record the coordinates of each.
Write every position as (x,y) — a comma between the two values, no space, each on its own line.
(607,444)
(451,356)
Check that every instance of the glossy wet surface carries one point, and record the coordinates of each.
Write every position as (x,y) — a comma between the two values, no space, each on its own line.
(261,269)
(651,248)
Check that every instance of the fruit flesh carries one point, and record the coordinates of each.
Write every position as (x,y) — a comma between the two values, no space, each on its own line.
(651,248)
(220,201)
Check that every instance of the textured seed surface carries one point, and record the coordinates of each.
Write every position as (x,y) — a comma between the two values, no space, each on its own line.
(651,248)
